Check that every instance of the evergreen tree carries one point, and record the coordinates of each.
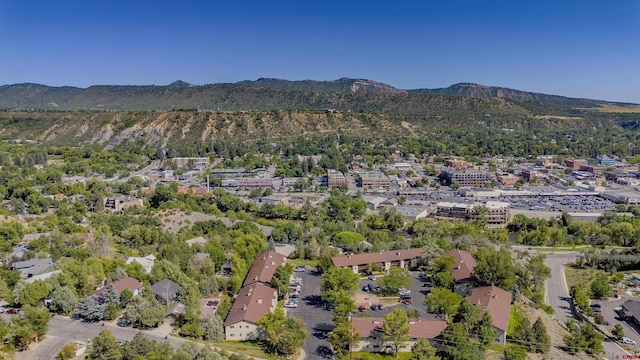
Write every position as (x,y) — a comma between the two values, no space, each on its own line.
(105,346)
(541,339)
(63,300)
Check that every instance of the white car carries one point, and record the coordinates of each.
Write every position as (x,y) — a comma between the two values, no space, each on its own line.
(629,341)
(291,305)
(2,309)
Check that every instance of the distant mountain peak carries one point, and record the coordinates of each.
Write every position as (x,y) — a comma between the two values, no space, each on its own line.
(180,83)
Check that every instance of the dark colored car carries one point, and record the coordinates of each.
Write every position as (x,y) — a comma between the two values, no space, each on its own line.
(374,307)
(362,308)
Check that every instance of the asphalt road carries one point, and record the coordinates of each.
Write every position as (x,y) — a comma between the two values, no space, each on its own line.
(317,320)
(556,291)
(63,330)
(610,315)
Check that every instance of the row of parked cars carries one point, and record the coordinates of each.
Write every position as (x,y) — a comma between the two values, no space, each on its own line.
(373,307)
(296,289)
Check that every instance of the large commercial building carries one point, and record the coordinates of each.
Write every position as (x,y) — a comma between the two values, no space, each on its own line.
(497,213)
(375,180)
(467,178)
(335,178)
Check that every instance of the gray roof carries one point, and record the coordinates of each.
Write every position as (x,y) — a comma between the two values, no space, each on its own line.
(632,308)
(33,267)
(166,287)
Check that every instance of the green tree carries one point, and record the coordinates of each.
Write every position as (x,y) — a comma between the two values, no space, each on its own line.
(63,300)
(541,340)
(283,335)
(343,338)
(337,279)
(515,352)
(422,350)
(443,302)
(485,330)
(397,278)
(34,293)
(494,267)
(458,344)
(618,331)
(67,352)
(396,328)
(212,327)
(280,280)
(468,315)
(600,287)
(105,346)
(343,306)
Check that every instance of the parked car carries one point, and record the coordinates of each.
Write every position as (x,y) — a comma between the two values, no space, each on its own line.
(300,269)
(362,308)
(408,301)
(365,288)
(372,278)
(291,305)
(14,311)
(294,295)
(3,309)
(381,307)
(374,307)
(629,341)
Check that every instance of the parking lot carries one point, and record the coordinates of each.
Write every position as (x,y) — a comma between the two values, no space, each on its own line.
(418,293)
(318,321)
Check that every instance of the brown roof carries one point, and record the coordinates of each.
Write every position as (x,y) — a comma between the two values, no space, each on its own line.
(126,283)
(465,263)
(253,302)
(263,268)
(377,257)
(494,300)
(418,328)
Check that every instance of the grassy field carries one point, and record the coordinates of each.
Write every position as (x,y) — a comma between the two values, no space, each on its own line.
(582,277)
(247,348)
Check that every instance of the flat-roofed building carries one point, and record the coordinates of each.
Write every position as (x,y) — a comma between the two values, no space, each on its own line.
(456,163)
(594,169)
(575,164)
(465,178)
(497,212)
(335,178)
(195,161)
(375,180)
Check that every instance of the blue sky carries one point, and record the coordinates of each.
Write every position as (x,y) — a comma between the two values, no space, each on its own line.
(583,48)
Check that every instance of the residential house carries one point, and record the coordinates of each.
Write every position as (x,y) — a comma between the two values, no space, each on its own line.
(121,203)
(263,268)
(176,310)
(43,276)
(461,270)
(370,330)
(147,262)
(496,302)
(127,283)
(32,267)
(253,302)
(407,259)
(166,291)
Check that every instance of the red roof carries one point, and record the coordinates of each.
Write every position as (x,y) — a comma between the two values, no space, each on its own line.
(418,328)
(126,283)
(263,268)
(377,257)
(494,300)
(465,263)
(253,302)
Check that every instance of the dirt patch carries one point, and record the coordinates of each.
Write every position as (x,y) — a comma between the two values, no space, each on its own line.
(556,333)
(175,220)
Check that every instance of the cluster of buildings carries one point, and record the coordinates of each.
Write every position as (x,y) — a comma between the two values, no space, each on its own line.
(491,299)
(255,299)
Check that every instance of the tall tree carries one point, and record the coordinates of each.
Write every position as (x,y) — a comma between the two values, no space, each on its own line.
(338,279)
(396,328)
(63,300)
(343,338)
(541,338)
(494,267)
(105,346)
(422,350)
(443,302)
(397,278)
(283,335)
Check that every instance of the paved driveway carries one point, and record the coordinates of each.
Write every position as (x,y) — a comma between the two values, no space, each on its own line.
(63,330)
(317,321)
(609,313)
